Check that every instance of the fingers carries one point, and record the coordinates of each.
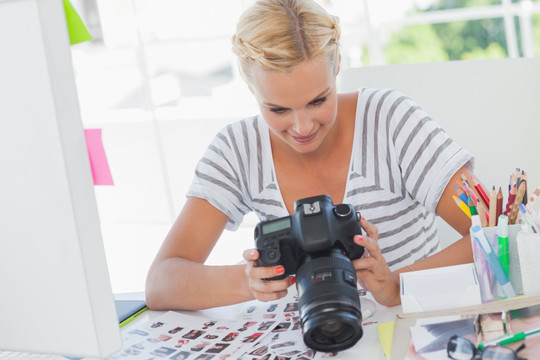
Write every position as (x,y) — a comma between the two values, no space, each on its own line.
(371,246)
(370,229)
(265,290)
(250,255)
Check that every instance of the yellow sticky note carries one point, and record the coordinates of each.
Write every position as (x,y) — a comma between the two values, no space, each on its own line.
(386,333)
(77,30)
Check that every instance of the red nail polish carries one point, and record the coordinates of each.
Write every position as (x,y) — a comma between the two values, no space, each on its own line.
(293,280)
(279,270)
(359,238)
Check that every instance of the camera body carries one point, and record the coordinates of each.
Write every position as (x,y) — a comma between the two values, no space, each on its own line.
(316,226)
(316,243)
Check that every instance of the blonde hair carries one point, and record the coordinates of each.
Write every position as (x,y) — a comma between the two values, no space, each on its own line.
(279,34)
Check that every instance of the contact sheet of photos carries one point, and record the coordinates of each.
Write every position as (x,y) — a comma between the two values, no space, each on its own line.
(178,336)
(260,331)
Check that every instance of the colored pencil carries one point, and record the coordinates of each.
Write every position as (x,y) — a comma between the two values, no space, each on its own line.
(499,203)
(462,206)
(519,199)
(484,217)
(481,192)
(471,206)
(511,199)
(492,207)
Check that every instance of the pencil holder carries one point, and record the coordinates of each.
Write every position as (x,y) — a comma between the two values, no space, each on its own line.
(527,262)
(524,267)
(489,287)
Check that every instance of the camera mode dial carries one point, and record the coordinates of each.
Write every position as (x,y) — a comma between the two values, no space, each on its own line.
(343,211)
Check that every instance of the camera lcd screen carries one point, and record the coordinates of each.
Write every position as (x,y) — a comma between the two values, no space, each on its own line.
(276,225)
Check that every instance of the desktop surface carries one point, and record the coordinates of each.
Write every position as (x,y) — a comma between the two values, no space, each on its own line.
(369,346)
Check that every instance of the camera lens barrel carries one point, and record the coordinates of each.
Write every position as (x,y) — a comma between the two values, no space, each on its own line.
(329,303)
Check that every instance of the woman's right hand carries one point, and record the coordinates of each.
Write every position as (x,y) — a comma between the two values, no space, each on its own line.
(261,289)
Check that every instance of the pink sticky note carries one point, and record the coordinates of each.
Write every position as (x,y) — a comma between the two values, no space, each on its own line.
(98,160)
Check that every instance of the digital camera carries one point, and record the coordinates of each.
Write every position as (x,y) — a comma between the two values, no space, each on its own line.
(316,243)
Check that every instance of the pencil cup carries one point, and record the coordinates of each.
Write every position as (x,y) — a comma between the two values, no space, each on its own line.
(490,289)
(528,254)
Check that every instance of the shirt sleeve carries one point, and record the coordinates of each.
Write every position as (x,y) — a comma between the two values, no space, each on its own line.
(218,180)
(428,157)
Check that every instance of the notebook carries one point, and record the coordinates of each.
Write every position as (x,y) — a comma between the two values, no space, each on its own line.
(127,310)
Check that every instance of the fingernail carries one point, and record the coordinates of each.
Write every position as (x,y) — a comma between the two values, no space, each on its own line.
(363,218)
(358,238)
(293,280)
(253,254)
(279,270)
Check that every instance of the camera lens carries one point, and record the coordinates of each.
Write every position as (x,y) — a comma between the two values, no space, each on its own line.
(328,302)
(332,332)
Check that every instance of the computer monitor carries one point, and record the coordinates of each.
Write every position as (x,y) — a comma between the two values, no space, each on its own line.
(55,290)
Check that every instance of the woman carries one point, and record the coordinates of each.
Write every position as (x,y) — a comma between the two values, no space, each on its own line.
(374,149)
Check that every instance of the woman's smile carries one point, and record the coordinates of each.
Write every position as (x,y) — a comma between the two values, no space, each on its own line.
(304,139)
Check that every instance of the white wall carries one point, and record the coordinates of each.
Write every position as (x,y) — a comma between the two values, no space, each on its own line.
(491,107)
(135,216)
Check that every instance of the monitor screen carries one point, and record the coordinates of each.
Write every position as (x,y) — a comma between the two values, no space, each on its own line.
(56,293)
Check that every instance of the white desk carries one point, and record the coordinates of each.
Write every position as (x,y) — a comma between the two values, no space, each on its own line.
(368,346)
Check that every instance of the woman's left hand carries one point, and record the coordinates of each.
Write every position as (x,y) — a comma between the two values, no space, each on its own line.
(372,270)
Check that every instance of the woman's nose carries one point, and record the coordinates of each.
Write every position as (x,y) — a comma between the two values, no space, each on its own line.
(302,124)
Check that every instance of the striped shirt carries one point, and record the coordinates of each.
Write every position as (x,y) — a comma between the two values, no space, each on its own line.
(401,162)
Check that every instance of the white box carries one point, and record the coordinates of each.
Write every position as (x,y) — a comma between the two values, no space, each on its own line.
(440,288)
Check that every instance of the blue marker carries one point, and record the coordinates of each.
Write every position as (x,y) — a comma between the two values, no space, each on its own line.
(493,262)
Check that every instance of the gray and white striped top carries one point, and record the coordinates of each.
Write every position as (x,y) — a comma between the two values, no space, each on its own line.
(401,162)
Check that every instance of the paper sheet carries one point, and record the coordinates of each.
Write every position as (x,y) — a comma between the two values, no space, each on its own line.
(259,331)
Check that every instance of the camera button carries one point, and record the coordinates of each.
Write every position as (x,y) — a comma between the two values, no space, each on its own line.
(343,211)
(269,244)
(349,277)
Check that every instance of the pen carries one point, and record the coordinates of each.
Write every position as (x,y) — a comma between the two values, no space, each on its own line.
(533,214)
(528,219)
(502,235)
(492,259)
(509,339)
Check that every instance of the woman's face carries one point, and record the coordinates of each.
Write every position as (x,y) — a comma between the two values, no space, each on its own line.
(300,106)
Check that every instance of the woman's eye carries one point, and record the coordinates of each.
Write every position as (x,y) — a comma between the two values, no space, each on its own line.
(278,110)
(318,102)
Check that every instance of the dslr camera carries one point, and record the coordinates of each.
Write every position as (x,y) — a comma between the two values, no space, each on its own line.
(316,244)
